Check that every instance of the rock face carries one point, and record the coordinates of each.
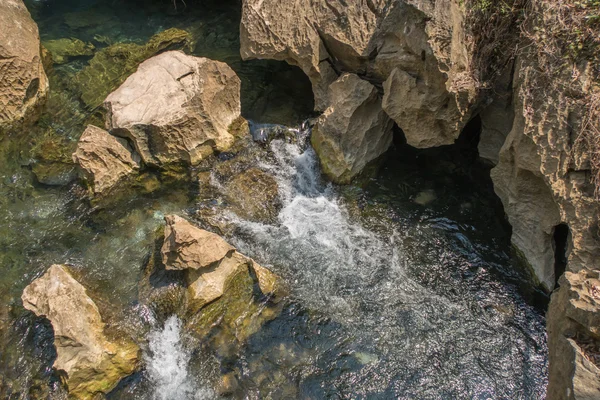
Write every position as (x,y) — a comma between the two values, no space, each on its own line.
(176,108)
(574,337)
(542,181)
(416,49)
(105,159)
(186,246)
(528,201)
(93,363)
(23,82)
(352,131)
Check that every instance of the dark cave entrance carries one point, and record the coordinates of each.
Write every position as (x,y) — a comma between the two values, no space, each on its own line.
(560,242)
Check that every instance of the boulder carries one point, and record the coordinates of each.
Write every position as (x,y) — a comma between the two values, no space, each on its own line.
(23,82)
(187,246)
(573,325)
(253,195)
(64,49)
(225,301)
(353,130)
(93,363)
(209,261)
(112,65)
(106,160)
(176,108)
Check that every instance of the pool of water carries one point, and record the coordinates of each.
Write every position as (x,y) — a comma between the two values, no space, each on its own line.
(404,286)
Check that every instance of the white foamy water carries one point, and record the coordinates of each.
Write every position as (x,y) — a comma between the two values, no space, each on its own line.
(167,365)
(361,279)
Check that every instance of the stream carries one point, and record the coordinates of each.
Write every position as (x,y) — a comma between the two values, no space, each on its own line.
(403,285)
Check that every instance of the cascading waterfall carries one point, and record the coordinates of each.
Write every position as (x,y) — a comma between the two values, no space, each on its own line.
(167,365)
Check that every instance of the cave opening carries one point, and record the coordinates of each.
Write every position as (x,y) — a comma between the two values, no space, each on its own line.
(469,136)
(560,243)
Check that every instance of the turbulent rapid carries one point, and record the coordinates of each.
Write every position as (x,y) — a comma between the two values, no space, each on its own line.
(455,340)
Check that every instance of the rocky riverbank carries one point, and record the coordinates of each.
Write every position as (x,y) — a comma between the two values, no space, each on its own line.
(408,69)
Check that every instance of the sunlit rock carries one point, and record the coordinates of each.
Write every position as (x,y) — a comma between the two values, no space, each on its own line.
(63,49)
(352,131)
(417,50)
(176,108)
(187,246)
(220,292)
(112,65)
(23,82)
(93,363)
(105,159)
(574,337)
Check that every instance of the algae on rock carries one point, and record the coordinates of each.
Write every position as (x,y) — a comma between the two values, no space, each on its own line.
(65,48)
(224,301)
(93,363)
(112,65)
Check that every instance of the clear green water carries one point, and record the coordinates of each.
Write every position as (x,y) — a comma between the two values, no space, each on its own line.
(440,308)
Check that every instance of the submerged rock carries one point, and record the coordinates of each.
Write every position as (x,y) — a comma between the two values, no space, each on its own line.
(93,363)
(177,108)
(23,82)
(53,163)
(574,337)
(112,65)
(65,48)
(253,195)
(106,160)
(353,131)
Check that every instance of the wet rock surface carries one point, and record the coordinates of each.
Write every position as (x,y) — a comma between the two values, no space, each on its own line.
(23,82)
(176,108)
(93,363)
(63,49)
(253,195)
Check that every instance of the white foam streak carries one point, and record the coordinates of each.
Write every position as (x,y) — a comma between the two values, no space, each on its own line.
(167,365)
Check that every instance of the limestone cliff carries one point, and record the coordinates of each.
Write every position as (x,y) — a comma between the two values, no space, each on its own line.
(437,63)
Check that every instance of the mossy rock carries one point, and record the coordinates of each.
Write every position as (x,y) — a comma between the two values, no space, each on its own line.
(53,163)
(64,49)
(230,320)
(254,195)
(110,66)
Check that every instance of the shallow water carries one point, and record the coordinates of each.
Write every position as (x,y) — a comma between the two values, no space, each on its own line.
(405,287)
